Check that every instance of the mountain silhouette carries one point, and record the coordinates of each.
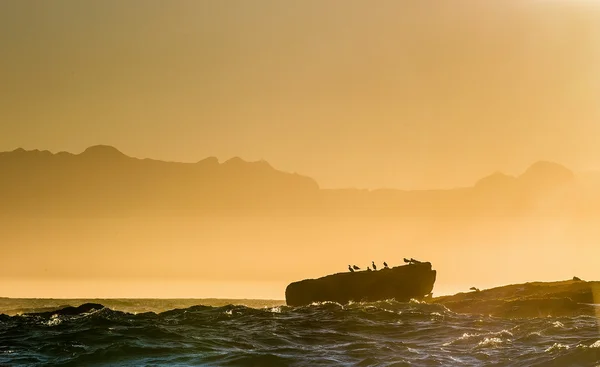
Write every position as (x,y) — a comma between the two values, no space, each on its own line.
(103,181)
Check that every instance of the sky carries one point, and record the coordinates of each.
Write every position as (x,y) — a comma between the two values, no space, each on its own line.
(396,94)
(414,94)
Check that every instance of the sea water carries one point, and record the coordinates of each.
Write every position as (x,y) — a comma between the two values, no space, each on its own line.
(267,333)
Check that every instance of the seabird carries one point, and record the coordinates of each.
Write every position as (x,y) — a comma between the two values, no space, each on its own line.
(374,266)
(385,264)
(368,269)
(414,261)
(356,267)
(350,268)
(407,261)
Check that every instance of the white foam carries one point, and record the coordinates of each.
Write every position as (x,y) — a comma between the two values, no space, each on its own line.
(490,342)
(556,346)
(558,324)
(54,320)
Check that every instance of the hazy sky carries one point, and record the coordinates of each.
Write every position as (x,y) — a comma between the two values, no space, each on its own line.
(408,94)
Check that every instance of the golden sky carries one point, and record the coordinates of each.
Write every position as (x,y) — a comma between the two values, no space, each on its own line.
(407,94)
(400,94)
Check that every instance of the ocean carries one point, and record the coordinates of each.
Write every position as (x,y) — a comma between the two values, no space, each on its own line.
(267,333)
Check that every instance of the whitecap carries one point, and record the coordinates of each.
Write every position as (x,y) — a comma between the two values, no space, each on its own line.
(275,309)
(465,336)
(330,303)
(490,342)
(54,320)
(504,333)
(555,347)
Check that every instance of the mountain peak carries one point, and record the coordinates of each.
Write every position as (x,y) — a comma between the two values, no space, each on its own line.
(545,170)
(495,180)
(103,151)
(234,161)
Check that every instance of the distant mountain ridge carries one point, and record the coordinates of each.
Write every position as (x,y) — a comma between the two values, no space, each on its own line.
(103,181)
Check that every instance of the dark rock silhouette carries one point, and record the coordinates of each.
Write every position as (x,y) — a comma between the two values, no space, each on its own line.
(401,283)
(474,289)
(577,279)
(537,299)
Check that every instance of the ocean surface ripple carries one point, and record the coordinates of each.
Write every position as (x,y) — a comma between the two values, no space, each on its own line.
(385,333)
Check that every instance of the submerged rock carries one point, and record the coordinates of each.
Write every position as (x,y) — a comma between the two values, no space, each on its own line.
(401,283)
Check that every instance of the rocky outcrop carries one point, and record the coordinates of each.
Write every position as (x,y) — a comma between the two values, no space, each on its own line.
(537,299)
(401,283)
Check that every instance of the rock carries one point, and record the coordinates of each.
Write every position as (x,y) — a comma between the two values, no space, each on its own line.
(401,283)
(537,299)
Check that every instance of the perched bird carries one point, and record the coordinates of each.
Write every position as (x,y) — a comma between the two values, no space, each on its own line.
(356,267)
(368,269)
(474,289)
(350,268)
(385,264)
(407,261)
(374,266)
(414,261)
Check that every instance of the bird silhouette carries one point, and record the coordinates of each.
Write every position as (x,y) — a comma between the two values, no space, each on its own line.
(368,269)
(385,264)
(474,289)
(350,268)
(356,267)
(407,261)
(374,266)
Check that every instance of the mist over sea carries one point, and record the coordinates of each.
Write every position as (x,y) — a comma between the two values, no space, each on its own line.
(134,332)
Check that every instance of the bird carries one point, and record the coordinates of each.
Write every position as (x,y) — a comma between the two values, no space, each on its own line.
(414,261)
(385,264)
(356,267)
(368,269)
(474,289)
(407,261)
(374,266)
(350,268)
